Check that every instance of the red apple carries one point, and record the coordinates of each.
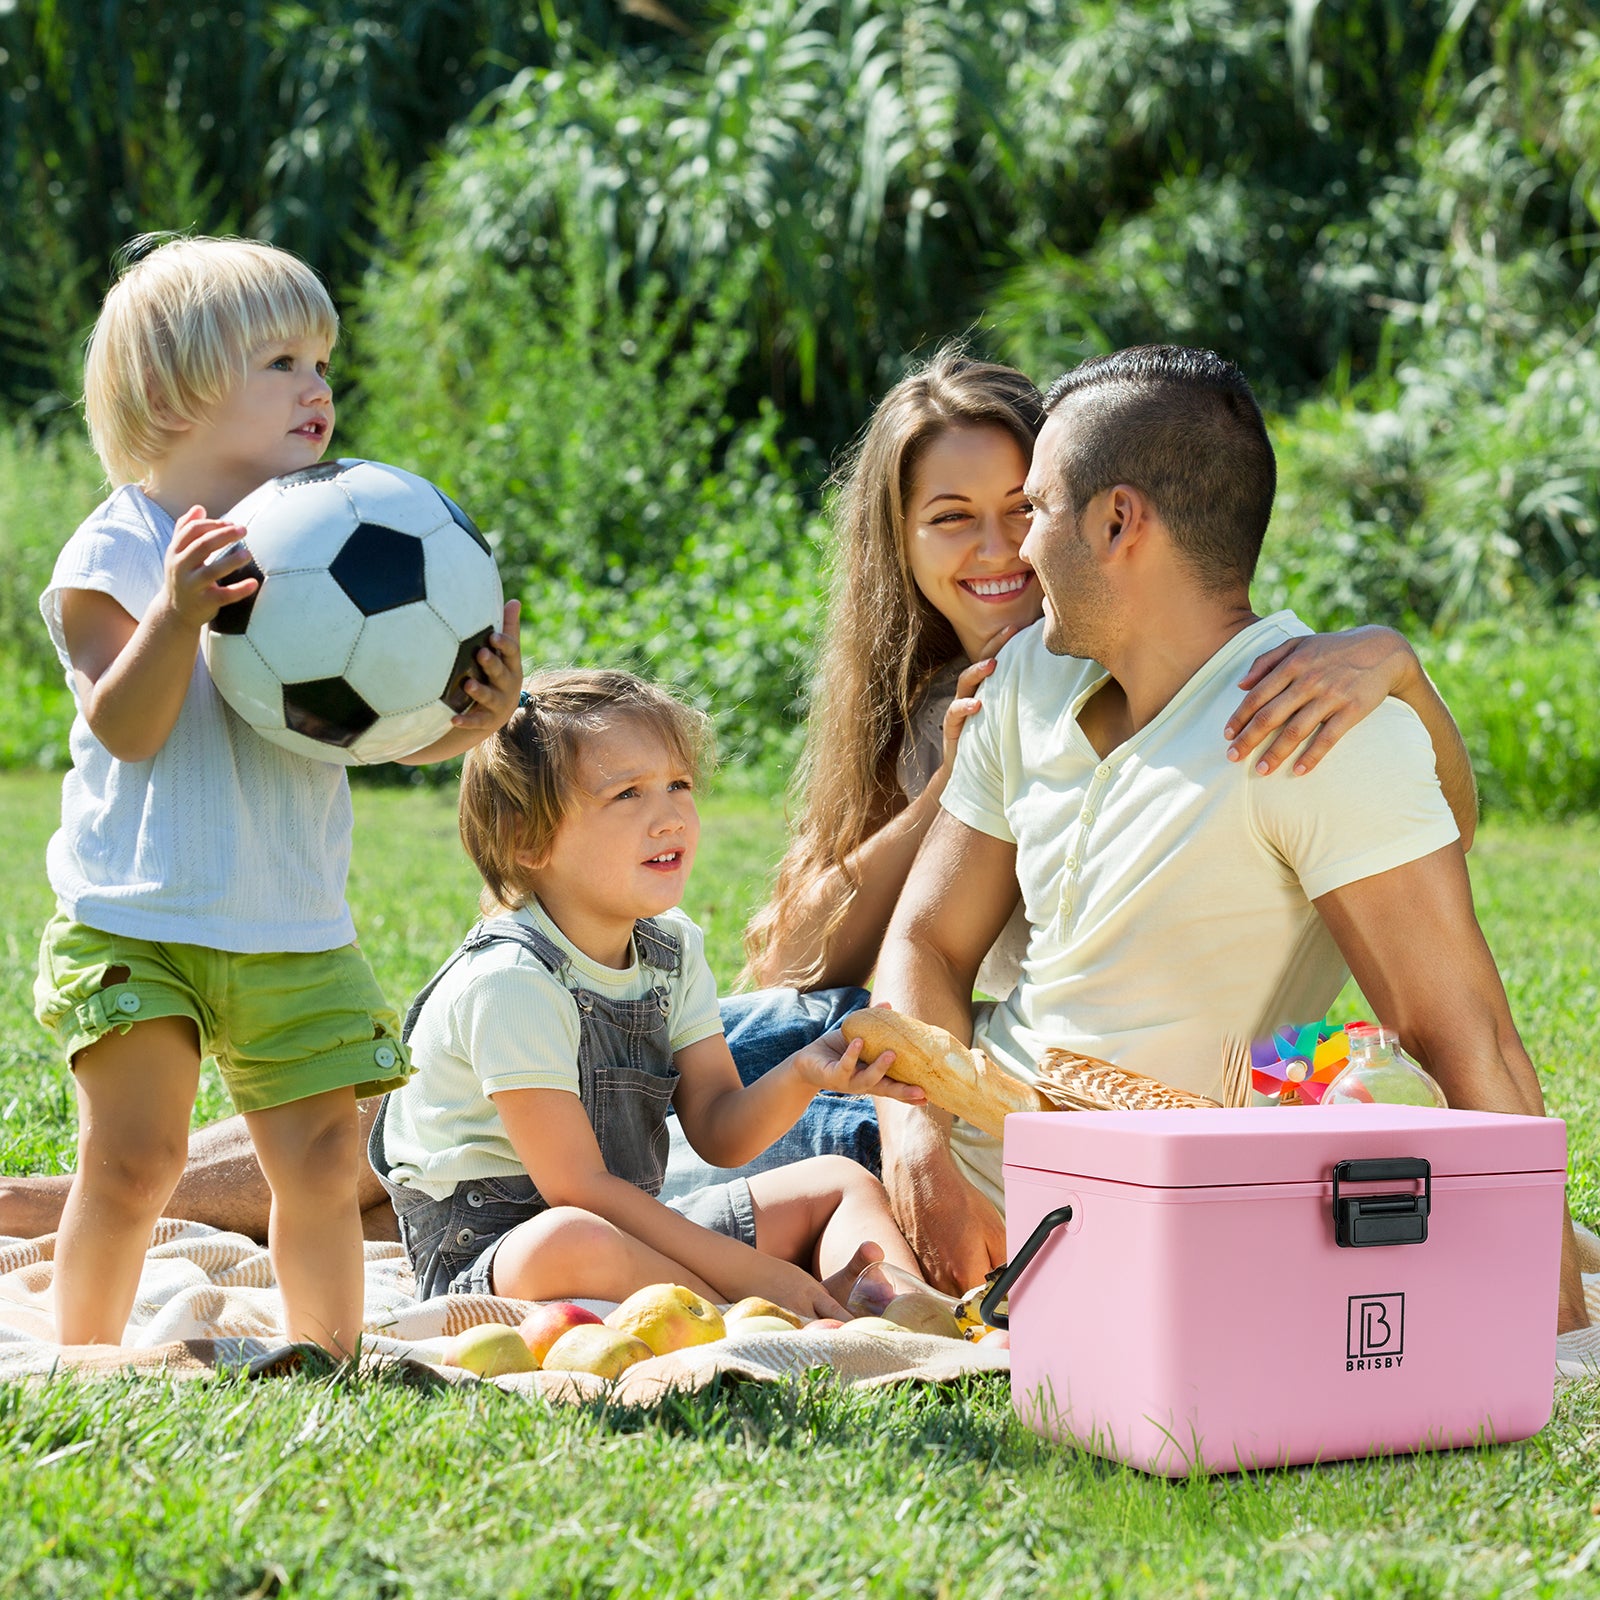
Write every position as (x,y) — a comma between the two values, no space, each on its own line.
(823,1322)
(545,1324)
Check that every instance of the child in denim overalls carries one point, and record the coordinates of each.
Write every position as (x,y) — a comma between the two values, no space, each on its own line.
(525,1155)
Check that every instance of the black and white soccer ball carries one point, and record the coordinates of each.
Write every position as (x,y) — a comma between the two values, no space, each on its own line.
(376,593)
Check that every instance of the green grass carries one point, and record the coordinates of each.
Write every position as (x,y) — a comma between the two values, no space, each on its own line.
(325,1486)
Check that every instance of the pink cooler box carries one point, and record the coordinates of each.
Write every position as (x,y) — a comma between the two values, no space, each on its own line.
(1250,1288)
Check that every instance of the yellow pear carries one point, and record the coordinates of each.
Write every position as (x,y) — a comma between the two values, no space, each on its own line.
(593,1347)
(754,1306)
(921,1313)
(491,1348)
(877,1326)
(668,1317)
(754,1324)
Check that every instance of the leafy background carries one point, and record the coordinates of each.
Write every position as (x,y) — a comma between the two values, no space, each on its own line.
(626,277)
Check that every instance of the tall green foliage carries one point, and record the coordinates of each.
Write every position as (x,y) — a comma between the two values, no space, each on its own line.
(854,152)
(589,434)
(264,115)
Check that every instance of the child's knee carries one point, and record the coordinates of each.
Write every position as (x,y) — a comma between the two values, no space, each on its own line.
(140,1177)
(322,1161)
(561,1245)
(841,1177)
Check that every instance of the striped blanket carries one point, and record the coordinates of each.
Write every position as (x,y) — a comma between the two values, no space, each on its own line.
(208,1301)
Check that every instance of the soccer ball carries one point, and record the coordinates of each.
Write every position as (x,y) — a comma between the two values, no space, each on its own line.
(376,593)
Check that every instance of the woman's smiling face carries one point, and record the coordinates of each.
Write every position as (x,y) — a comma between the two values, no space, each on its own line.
(966,518)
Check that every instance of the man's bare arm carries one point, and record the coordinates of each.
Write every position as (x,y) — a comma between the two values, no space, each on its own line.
(958,898)
(1412,941)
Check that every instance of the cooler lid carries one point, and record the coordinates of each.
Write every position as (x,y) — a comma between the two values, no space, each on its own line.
(1272,1144)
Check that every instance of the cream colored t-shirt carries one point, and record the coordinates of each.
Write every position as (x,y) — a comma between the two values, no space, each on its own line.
(500,1020)
(1168,890)
(921,751)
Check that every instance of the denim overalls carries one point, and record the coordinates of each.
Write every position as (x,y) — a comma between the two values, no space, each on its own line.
(626,1081)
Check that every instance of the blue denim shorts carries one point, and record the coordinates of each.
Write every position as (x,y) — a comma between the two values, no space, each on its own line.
(452,1243)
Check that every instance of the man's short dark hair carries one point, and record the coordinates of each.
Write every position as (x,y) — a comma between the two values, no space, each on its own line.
(1182,427)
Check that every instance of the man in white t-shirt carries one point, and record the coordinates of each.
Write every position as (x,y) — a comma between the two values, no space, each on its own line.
(1179,903)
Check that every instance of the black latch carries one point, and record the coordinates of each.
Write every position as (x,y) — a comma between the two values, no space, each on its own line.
(1360,1220)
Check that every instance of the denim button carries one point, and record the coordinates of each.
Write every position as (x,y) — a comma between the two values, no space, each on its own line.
(474,1198)
(384,1056)
(464,1237)
(128,1003)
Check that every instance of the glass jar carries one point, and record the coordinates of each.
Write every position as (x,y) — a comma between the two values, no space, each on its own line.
(1381,1073)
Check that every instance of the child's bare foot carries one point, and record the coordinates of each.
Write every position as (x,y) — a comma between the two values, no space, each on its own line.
(30,1207)
(840,1283)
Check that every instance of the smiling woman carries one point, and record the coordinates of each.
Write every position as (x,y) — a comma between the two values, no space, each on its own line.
(966,518)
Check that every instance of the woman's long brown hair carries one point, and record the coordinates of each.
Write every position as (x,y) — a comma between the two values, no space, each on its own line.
(883,641)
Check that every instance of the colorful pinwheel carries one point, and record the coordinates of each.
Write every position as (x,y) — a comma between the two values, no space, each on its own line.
(1295,1064)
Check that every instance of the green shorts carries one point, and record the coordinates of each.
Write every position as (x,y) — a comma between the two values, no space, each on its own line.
(280,1027)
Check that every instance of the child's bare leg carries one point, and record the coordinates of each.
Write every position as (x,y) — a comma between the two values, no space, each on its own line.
(222,1186)
(819,1213)
(565,1254)
(135,1092)
(308,1151)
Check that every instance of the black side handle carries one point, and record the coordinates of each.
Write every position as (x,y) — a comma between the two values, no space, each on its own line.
(989,1309)
(1361,1221)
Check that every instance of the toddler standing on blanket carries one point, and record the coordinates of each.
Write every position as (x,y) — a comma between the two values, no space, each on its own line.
(525,1155)
(199,870)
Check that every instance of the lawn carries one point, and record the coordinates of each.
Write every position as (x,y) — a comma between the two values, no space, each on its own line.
(345,1486)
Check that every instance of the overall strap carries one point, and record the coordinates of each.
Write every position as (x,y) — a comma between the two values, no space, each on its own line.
(480,934)
(493,931)
(656,947)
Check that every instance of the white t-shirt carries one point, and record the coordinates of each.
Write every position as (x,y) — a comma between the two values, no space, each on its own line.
(220,839)
(1168,889)
(921,751)
(499,1019)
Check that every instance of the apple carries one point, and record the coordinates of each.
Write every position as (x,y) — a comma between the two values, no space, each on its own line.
(593,1347)
(754,1324)
(545,1324)
(817,1323)
(754,1306)
(490,1349)
(996,1339)
(668,1317)
(922,1313)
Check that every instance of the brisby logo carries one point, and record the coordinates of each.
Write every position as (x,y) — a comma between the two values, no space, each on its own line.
(1376,1333)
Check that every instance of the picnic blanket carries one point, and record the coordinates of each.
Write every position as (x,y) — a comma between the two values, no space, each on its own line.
(208,1301)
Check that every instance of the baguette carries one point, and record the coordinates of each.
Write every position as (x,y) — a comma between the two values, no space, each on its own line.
(955,1078)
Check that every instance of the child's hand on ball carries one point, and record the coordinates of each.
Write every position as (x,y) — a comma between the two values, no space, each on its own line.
(830,1063)
(206,567)
(499,682)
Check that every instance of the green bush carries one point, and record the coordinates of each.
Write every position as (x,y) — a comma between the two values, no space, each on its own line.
(46,489)
(1525,699)
(589,435)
